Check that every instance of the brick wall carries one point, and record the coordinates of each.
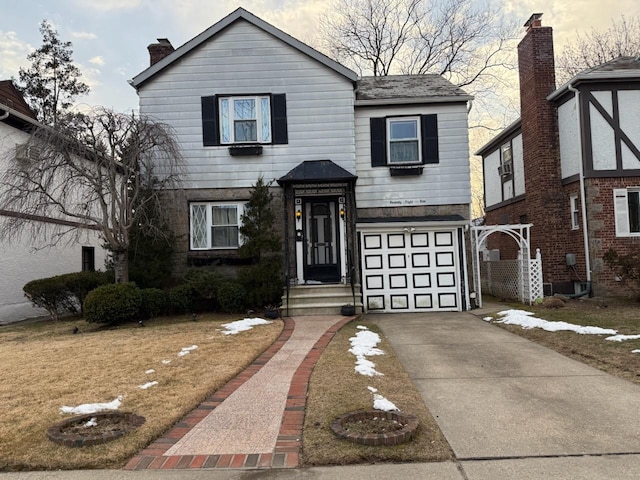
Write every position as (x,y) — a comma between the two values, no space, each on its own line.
(602,231)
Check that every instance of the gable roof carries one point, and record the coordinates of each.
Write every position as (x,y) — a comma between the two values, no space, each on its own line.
(618,69)
(11,97)
(240,14)
(396,89)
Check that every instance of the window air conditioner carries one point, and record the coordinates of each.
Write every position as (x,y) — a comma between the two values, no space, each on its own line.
(27,152)
(505,169)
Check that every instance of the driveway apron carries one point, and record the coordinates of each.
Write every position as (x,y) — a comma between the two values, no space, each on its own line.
(499,396)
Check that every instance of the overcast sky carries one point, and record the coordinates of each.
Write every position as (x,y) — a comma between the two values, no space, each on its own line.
(110,37)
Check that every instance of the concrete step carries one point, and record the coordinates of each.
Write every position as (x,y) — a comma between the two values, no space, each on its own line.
(319,299)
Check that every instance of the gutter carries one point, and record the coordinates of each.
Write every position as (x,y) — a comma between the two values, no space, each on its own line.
(5,115)
(583,200)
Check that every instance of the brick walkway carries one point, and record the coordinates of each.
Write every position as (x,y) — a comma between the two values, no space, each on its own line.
(256,419)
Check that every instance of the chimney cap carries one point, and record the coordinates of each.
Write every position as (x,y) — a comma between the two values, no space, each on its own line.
(164,41)
(532,19)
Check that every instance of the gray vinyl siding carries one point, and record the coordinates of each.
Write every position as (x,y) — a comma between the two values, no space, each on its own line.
(243,59)
(444,183)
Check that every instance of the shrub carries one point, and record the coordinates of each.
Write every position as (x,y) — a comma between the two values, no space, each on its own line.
(153,302)
(232,297)
(181,299)
(627,267)
(113,304)
(205,284)
(64,292)
(263,282)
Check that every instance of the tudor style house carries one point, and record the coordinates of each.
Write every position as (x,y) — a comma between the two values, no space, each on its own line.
(570,166)
(20,262)
(371,175)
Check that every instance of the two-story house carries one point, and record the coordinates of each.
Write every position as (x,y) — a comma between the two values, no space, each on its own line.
(570,166)
(20,259)
(371,175)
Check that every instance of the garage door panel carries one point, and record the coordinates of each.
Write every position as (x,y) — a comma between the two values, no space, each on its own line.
(410,271)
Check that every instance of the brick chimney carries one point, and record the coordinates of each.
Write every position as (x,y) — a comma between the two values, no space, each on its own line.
(157,51)
(546,203)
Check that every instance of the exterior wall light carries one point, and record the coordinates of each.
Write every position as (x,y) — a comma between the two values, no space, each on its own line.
(298,214)
(342,213)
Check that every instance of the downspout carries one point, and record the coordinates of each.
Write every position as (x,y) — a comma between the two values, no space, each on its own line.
(5,115)
(583,199)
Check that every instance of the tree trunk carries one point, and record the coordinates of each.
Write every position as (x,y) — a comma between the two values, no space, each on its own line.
(121,266)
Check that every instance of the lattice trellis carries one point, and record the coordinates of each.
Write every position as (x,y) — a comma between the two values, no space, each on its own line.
(519,279)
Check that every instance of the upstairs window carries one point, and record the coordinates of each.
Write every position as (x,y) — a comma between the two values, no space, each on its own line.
(575,216)
(506,161)
(215,226)
(404,140)
(244,120)
(626,202)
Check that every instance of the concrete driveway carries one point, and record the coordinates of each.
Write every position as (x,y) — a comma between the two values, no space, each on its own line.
(497,396)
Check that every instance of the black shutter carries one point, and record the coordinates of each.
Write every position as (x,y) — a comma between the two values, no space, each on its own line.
(279,132)
(429,127)
(378,128)
(210,130)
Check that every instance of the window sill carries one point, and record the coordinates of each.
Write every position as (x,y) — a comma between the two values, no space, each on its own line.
(245,150)
(406,170)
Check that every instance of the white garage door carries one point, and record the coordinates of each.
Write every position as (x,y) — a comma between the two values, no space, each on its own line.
(410,271)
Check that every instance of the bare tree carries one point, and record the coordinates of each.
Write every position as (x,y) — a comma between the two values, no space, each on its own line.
(621,39)
(453,38)
(102,170)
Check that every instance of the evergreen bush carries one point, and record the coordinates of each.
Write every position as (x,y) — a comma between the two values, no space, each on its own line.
(153,302)
(113,304)
(232,297)
(181,299)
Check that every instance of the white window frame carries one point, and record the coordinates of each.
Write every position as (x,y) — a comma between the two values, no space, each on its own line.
(209,219)
(418,139)
(575,212)
(262,135)
(506,160)
(621,211)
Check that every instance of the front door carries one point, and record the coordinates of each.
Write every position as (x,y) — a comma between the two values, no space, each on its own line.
(322,255)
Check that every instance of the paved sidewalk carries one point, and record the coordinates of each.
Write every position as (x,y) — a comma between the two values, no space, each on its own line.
(255,420)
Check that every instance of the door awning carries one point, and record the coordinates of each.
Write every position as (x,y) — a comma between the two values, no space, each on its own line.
(317,171)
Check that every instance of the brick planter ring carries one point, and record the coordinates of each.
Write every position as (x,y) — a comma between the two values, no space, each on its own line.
(58,433)
(397,437)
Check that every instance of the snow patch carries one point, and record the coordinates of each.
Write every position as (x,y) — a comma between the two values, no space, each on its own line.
(364,345)
(148,385)
(243,325)
(372,389)
(166,362)
(91,423)
(87,408)
(622,338)
(381,403)
(635,351)
(187,350)
(526,320)
(487,319)
(150,371)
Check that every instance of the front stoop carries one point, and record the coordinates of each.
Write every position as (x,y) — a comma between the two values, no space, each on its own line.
(324,299)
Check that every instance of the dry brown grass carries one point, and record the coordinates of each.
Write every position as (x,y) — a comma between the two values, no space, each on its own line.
(335,389)
(612,357)
(45,366)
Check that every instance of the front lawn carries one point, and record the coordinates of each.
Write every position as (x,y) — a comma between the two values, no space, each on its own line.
(46,366)
(616,358)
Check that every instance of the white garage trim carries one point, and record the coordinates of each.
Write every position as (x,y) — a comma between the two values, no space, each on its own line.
(412,267)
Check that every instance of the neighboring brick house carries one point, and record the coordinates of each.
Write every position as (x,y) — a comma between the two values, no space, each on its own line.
(574,176)
(20,262)
(371,175)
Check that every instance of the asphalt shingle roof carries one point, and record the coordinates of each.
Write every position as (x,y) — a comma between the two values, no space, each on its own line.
(407,86)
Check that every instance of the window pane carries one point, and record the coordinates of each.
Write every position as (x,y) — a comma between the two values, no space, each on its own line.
(244,109)
(224,237)
(227,215)
(224,121)
(246,131)
(403,129)
(199,226)
(401,152)
(634,211)
(265,113)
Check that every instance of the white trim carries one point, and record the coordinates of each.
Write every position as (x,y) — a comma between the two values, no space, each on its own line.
(573,208)
(259,119)
(621,211)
